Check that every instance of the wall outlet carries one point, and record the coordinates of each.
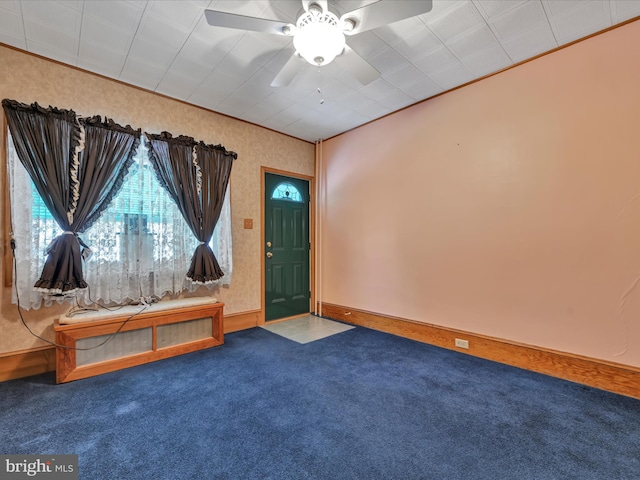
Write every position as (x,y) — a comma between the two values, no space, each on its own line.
(462,343)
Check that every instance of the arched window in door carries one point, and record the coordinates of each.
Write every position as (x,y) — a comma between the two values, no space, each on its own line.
(286,191)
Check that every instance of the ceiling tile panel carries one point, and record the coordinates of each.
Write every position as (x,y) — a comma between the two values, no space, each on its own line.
(221,80)
(315,100)
(336,89)
(586,17)
(284,119)
(372,109)
(276,103)
(238,67)
(204,51)
(353,119)
(142,73)
(301,129)
(261,111)
(284,10)
(622,10)
(175,84)
(250,93)
(261,47)
(99,32)
(519,19)
(184,14)
(531,43)
(148,51)
(423,89)
(557,7)
(354,100)
(18,42)
(75,4)
(57,39)
(161,33)
(378,88)
(258,81)
(187,67)
(392,32)
(98,57)
(452,76)
(404,76)
(53,14)
(208,96)
(387,60)
(460,18)
(487,61)
(366,44)
(416,44)
(396,100)
(50,51)
(11,6)
(253,8)
(435,60)
(124,15)
(11,22)
(467,44)
(494,8)
(257,114)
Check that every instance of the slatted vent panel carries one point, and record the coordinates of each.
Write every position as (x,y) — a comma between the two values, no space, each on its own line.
(183,332)
(120,345)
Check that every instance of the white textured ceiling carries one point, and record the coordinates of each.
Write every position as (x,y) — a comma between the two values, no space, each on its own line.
(168,47)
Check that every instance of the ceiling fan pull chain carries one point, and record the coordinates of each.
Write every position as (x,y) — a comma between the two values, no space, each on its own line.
(320,87)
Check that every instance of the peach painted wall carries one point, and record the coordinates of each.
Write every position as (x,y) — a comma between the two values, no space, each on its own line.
(28,79)
(509,208)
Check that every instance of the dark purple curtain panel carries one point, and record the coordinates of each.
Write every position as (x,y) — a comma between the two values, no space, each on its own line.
(196,176)
(77,166)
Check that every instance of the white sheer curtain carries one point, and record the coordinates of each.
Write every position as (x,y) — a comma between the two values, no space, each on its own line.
(141,244)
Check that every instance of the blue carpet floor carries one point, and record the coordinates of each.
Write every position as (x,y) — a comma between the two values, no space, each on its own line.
(357,405)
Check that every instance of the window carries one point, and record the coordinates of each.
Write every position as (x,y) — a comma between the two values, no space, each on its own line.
(141,246)
(286,191)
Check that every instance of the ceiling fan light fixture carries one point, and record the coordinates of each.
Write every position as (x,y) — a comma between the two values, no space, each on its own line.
(318,37)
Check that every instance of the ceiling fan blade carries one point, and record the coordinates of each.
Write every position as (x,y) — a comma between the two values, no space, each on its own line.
(240,22)
(357,66)
(322,3)
(385,12)
(288,72)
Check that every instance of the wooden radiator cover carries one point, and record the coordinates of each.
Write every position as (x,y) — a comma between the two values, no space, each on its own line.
(151,330)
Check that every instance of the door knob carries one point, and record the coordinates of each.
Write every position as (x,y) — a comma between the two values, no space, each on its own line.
(268,244)
(269,254)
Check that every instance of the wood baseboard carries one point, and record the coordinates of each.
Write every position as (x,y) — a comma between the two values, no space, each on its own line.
(25,363)
(241,321)
(613,377)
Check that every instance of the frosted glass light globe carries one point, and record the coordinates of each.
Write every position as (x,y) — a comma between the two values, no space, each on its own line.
(318,39)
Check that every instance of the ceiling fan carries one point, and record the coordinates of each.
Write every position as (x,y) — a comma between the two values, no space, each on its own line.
(319,34)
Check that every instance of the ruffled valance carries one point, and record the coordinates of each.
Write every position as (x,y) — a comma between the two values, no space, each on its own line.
(190,142)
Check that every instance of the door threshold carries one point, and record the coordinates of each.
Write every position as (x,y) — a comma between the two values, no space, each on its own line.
(277,320)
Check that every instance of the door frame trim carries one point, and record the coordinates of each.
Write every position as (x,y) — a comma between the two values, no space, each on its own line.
(312,238)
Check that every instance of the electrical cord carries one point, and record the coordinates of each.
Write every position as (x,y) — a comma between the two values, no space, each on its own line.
(58,345)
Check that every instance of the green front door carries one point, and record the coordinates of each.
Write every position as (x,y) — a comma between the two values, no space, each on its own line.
(286,246)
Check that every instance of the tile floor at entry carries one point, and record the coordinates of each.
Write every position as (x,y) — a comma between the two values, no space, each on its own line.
(307,329)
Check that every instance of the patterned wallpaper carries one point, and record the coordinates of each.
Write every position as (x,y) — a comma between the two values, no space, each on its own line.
(27,78)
